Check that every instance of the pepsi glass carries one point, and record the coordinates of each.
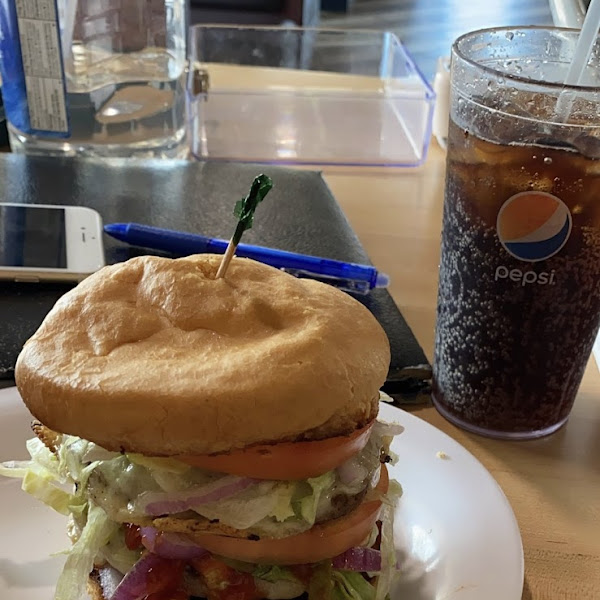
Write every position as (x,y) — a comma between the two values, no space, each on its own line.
(519,293)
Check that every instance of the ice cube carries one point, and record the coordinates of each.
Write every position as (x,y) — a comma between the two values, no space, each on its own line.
(588,145)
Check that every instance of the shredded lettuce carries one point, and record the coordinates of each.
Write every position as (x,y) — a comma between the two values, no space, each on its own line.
(167,480)
(41,487)
(170,465)
(118,555)
(277,582)
(321,583)
(273,573)
(43,478)
(307,506)
(80,561)
(283,508)
(349,585)
(389,560)
(70,455)
(383,397)
(373,536)
(276,506)
(16,469)
(243,510)
(325,583)
(270,508)
(42,457)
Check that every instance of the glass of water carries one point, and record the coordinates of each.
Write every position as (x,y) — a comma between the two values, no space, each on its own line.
(95,77)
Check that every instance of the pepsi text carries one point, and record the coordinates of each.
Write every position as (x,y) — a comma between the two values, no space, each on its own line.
(525,277)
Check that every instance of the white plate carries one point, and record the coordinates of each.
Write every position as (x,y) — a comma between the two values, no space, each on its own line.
(455,528)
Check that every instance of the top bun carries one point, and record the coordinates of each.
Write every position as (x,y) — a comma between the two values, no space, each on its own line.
(157,356)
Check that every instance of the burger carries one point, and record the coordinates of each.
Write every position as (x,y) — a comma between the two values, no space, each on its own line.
(212,438)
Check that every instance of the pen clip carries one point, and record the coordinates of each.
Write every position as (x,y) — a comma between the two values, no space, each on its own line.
(346,285)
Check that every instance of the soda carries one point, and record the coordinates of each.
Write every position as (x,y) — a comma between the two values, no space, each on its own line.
(519,293)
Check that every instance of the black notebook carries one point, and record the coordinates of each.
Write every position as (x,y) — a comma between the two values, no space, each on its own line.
(300,215)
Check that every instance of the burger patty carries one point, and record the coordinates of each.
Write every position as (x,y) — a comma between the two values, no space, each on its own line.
(190,523)
(114,485)
(342,504)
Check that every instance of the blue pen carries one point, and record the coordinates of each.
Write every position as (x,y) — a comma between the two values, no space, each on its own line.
(350,277)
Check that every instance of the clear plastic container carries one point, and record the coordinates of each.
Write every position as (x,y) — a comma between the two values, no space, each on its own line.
(307,96)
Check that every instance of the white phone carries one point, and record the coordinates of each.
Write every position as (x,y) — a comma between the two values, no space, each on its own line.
(45,242)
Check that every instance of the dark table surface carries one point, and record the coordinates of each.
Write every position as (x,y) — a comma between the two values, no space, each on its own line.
(299,215)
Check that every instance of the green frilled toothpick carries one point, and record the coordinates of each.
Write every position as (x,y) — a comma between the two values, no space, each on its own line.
(244,211)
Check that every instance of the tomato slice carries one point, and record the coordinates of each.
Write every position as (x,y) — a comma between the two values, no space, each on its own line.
(285,461)
(165,578)
(133,536)
(323,541)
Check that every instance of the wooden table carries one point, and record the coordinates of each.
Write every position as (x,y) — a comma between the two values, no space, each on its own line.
(553,484)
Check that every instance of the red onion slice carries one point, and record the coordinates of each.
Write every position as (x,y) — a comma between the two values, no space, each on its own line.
(170,545)
(358,559)
(135,584)
(161,503)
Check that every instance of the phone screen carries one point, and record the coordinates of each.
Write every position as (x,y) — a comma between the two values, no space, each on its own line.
(32,237)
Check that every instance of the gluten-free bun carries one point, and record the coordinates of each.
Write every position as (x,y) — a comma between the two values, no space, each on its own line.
(157,356)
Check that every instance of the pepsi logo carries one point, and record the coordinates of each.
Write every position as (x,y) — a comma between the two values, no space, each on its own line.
(533,226)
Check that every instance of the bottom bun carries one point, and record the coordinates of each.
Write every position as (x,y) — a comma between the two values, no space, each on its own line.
(94,589)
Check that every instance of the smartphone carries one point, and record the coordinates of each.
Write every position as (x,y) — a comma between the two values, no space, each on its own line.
(40,242)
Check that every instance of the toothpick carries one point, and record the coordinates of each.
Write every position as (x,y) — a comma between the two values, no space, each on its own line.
(229,254)
(244,210)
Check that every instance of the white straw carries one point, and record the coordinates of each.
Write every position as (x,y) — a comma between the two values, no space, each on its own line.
(583,51)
